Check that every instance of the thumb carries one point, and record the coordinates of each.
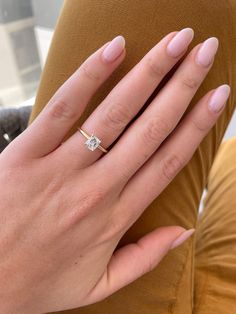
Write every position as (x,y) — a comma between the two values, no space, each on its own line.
(134,260)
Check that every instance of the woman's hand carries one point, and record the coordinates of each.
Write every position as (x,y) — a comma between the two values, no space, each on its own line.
(64,208)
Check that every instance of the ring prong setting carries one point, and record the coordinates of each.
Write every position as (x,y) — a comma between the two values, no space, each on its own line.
(92,143)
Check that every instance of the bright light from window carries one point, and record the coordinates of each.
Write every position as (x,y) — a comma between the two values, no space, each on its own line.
(26,29)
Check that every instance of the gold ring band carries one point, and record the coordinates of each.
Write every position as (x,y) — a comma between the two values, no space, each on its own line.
(92,142)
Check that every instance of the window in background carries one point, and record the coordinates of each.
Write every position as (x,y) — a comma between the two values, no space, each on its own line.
(26,29)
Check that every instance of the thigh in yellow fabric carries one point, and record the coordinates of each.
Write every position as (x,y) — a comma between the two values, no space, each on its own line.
(215,277)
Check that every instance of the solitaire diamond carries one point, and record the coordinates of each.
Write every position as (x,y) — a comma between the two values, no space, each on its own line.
(92,143)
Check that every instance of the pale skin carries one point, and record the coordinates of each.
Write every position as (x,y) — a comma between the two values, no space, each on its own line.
(59,225)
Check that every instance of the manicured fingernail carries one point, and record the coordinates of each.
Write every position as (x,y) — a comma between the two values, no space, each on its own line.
(182,238)
(207,51)
(219,97)
(180,42)
(114,49)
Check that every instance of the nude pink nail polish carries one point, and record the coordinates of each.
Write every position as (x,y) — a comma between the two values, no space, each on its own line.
(182,238)
(114,49)
(219,97)
(180,42)
(207,51)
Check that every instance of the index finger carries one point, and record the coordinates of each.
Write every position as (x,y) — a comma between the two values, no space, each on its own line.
(126,99)
(66,106)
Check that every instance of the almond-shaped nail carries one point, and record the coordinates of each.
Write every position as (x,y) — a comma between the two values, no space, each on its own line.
(219,97)
(207,51)
(180,42)
(182,238)
(114,49)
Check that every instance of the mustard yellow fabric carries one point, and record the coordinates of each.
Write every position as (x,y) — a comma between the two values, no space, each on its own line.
(215,271)
(199,276)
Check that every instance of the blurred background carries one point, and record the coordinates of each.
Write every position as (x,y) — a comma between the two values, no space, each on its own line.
(26,30)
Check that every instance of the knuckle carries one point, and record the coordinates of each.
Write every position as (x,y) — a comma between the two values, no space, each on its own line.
(125,173)
(171,166)
(88,73)
(91,199)
(156,129)
(82,206)
(155,69)
(149,263)
(190,82)
(117,116)
(62,110)
(200,125)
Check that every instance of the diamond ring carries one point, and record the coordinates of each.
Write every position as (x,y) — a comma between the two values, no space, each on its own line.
(92,142)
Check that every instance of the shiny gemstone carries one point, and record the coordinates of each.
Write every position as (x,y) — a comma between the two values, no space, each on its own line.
(92,143)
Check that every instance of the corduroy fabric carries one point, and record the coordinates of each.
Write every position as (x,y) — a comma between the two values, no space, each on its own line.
(83,27)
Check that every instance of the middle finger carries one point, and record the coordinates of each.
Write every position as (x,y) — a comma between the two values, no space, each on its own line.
(146,134)
(125,100)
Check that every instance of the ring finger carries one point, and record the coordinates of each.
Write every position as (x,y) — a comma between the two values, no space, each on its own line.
(146,134)
(110,118)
